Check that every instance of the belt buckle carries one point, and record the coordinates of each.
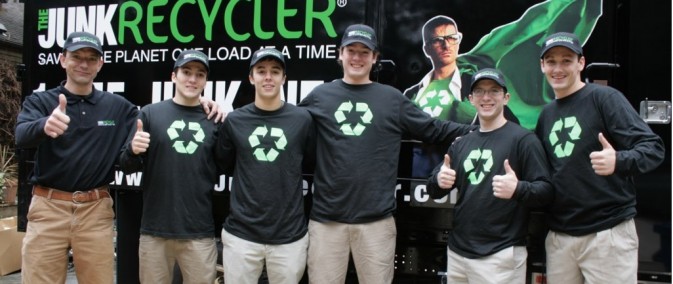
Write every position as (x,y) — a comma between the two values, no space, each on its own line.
(78,197)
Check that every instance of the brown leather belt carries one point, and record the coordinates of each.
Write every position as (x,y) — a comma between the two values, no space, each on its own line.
(75,197)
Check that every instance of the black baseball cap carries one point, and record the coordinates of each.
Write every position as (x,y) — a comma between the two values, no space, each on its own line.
(489,73)
(567,40)
(360,33)
(189,56)
(267,53)
(78,40)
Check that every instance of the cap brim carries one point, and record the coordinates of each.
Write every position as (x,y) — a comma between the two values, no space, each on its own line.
(352,41)
(80,46)
(573,48)
(182,63)
(500,83)
(258,59)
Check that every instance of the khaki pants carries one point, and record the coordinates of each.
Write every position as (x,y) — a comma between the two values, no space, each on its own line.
(243,260)
(371,244)
(505,266)
(609,256)
(56,225)
(197,259)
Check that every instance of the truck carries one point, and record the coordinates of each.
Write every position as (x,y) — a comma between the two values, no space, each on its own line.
(627,45)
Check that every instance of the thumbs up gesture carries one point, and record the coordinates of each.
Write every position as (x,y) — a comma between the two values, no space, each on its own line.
(141,140)
(505,185)
(446,176)
(603,162)
(58,121)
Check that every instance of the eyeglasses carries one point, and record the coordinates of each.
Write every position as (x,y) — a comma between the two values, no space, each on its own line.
(450,39)
(490,93)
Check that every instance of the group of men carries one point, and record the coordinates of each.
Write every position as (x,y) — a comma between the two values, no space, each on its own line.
(266,145)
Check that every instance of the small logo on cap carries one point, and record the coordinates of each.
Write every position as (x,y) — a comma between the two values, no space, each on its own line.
(559,39)
(195,55)
(486,73)
(271,52)
(85,38)
(360,33)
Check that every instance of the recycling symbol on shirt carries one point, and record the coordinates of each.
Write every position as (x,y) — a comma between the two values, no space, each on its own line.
(573,129)
(475,158)
(261,154)
(179,145)
(359,127)
(433,101)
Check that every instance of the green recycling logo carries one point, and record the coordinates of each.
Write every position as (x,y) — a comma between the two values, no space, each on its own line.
(433,101)
(475,158)
(359,127)
(262,154)
(573,129)
(177,127)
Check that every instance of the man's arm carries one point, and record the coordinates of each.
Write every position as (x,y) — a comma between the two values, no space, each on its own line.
(132,154)
(32,120)
(225,149)
(427,129)
(638,150)
(213,110)
(534,188)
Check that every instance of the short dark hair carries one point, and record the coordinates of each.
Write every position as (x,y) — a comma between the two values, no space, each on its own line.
(436,21)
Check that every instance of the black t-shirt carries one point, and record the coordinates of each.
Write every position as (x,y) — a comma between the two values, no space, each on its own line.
(359,132)
(585,202)
(179,170)
(265,151)
(484,224)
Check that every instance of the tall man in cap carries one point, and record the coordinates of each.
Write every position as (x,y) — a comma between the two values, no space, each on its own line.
(173,142)
(595,142)
(360,125)
(78,131)
(500,172)
(264,145)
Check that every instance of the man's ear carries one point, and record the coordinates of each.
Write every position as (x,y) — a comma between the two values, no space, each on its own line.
(582,61)
(174,76)
(61,59)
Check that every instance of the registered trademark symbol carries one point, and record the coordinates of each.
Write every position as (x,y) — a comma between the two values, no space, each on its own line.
(342,3)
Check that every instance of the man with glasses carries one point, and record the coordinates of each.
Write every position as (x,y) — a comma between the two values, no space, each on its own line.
(500,172)
(443,92)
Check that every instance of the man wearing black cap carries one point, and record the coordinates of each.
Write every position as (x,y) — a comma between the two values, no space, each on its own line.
(595,142)
(360,126)
(78,132)
(173,143)
(264,144)
(500,172)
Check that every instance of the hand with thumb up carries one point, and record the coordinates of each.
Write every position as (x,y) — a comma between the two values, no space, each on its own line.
(505,185)
(58,121)
(141,140)
(603,162)
(446,176)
